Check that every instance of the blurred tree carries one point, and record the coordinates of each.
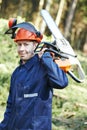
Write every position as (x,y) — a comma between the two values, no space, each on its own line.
(20,12)
(4,5)
(38,20)
(69,18)
(60,10)
(79,28)
(32,10)
(47,7)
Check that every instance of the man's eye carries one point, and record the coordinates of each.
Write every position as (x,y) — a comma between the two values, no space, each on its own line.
(19,44)
(25,44)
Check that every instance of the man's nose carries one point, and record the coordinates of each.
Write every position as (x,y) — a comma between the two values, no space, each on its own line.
(22,47)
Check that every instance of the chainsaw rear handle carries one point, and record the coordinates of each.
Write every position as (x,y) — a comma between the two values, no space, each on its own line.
(66,66)
(72,75)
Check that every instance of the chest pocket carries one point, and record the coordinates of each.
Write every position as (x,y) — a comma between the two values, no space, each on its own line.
(30,91)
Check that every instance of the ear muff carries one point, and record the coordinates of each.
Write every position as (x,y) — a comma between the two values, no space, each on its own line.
(12,22)
(38,34)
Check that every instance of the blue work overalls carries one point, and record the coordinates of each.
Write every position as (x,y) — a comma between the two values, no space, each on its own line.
(29,104)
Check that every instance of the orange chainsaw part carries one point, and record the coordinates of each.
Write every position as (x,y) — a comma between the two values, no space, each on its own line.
(63,64)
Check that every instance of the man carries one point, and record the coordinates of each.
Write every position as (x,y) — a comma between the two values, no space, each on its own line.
(29,103)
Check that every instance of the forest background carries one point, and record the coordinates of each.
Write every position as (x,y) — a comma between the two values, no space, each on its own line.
(70,104)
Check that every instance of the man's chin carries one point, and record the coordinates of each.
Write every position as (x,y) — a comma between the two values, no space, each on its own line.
(24,58)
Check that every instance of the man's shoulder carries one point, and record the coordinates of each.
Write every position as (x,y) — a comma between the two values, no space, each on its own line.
(15,71)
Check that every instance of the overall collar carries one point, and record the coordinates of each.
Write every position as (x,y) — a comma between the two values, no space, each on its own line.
(30,62)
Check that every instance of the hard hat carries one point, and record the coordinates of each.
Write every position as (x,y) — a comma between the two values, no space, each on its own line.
(23,34)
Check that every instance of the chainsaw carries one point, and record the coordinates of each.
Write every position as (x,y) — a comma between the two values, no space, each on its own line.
(64,56)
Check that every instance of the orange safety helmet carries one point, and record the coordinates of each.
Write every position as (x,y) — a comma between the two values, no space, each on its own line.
(23,34)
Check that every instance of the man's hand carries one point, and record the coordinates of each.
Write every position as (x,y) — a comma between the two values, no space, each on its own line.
(41,52)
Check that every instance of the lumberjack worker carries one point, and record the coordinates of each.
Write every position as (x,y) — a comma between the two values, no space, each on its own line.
(29,103)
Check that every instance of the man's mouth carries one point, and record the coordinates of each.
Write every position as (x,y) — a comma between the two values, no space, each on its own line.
(22,55)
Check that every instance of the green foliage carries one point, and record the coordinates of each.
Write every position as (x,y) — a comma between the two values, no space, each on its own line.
(70,105)
(8,61)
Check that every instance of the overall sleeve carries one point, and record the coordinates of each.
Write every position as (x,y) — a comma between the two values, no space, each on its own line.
(57,77)
(4,123)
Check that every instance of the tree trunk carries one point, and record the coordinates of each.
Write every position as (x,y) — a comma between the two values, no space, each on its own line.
(20,12)
(4,5)
(69,18)
(38,20)
(48,5)
(59,13)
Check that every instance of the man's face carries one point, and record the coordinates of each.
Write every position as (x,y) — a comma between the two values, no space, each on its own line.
(26,49)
